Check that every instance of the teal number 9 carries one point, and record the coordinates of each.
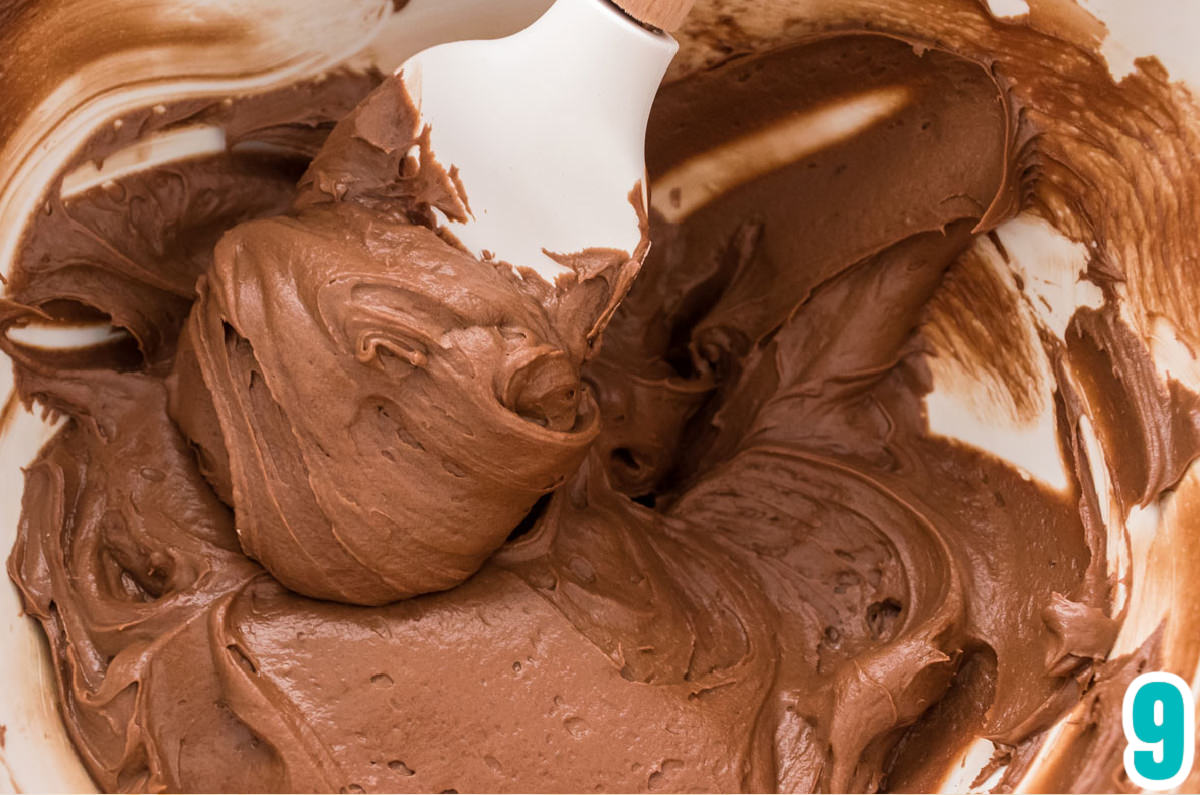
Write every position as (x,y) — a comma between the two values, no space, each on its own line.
(1159,719)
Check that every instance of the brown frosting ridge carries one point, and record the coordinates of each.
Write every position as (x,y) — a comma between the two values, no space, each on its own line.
(755,567)
(458,396)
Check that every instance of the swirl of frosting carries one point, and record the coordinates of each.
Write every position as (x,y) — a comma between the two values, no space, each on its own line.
(385,408)
(389,407)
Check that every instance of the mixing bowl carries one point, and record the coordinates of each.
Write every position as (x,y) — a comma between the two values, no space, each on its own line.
(69,70)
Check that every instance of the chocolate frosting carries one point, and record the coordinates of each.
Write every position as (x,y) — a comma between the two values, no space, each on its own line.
(456,395)
(716,547)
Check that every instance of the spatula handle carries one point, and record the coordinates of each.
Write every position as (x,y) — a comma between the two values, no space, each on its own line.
(665,14)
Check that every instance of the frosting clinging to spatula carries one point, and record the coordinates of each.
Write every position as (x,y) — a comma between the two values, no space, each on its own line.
(390,408)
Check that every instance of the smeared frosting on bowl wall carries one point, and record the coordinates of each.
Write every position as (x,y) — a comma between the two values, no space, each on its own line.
(881,473)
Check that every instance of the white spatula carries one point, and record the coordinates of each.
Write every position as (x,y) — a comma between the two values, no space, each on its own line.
(547,127)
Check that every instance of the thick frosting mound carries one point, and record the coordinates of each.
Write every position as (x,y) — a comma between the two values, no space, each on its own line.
(389,408)
(742,559)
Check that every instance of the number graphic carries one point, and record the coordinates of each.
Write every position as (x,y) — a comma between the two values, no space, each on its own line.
(1159,719)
